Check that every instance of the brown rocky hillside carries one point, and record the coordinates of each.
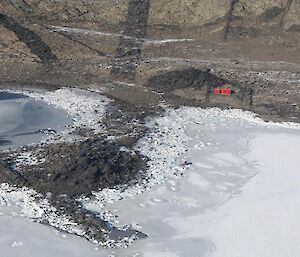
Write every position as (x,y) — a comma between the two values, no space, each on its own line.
(254,44)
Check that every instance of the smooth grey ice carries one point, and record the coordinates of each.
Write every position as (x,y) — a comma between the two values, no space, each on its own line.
(23,120)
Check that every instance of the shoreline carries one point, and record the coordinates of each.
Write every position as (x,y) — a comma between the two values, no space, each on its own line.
(172,184)
(121,137)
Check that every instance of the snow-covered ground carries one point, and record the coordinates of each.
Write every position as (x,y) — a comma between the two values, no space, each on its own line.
(221,183)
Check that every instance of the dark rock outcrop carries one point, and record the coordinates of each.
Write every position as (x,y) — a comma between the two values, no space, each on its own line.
(75,169)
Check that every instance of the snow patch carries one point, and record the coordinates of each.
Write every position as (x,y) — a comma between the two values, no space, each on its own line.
(33,206)
(87,108)
(28,158)
(100,33)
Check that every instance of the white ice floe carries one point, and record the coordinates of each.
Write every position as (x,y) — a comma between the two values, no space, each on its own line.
(17,244)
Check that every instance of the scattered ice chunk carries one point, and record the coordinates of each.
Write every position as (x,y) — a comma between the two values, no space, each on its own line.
(17,244)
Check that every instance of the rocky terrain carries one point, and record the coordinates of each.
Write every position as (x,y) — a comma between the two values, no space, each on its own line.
(144,53)
(91,43)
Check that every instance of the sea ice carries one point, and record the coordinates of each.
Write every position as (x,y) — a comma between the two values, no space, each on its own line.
(239,197)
